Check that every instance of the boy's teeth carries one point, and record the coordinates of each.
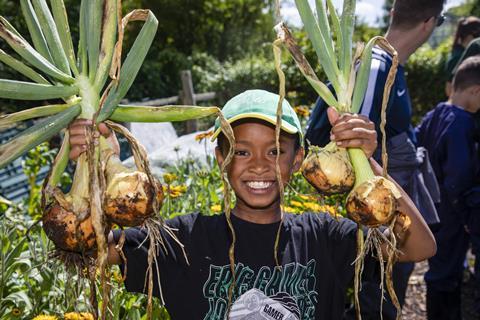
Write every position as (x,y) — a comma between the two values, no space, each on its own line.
(259,184)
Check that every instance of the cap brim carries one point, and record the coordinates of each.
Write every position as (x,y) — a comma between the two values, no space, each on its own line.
(273,120)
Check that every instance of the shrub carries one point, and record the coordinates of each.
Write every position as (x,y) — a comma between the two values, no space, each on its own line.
(425,72)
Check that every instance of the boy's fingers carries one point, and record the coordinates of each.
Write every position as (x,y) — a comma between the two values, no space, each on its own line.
(355,133)
(332,115)
(76,151)
(80,123)
(355,118)
(104,130)
(366,145)
(79,139)
(351,124)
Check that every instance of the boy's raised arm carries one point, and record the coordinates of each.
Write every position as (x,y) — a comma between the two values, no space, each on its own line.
(417,243)
(357,131)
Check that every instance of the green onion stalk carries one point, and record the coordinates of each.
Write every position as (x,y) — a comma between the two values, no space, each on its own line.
(87,81)
(372,200)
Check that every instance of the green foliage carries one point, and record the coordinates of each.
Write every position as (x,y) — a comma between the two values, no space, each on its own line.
(37,158)
(223,29)
(31,282)
(468,8)
(426,78)
(475,8)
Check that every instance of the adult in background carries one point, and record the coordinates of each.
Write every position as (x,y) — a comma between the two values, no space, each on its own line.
(467,29)
(412,22)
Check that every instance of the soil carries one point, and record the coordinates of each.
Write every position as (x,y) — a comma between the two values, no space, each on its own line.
(415,305)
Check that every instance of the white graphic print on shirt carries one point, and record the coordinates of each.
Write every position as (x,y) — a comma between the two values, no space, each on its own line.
(288,292)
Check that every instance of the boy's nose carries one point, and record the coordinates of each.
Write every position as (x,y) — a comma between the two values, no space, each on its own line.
(259,165)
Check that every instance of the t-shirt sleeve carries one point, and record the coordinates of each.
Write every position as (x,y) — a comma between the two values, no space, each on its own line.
(170,256)
(342,235)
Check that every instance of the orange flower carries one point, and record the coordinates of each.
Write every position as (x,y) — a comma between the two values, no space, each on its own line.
(302,111)
(203,135)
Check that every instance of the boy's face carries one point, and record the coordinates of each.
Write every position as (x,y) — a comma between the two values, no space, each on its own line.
(252,170)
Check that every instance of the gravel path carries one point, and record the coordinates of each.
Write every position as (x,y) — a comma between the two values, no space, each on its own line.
(415,306)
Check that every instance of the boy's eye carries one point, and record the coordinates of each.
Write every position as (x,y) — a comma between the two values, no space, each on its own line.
(240,152)
(274,152)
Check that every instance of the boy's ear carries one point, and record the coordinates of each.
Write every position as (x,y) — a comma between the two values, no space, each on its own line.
(297,162)
(219,156)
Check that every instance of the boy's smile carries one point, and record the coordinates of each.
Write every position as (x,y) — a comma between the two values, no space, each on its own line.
(252,171)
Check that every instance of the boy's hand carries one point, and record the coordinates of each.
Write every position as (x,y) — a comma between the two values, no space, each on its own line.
(353,131)
(78,137)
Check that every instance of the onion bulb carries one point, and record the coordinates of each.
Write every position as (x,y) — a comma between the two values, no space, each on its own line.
(128,195)
(66,220)
(373,202)
(329,169)
(66,229)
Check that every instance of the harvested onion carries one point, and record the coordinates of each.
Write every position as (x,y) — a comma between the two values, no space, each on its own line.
(66,230)
(129,195)
(329,169)
(373,202)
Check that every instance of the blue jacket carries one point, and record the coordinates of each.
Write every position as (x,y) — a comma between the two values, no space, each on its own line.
(447,132)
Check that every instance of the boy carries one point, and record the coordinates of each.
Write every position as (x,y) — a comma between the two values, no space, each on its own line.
(448,133)
(315,251)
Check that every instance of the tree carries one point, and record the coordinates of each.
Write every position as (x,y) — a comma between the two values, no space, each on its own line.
(221,28)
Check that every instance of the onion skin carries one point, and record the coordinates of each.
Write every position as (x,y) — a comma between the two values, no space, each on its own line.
(329,170)
(373,202)
(129,198)
(59,225)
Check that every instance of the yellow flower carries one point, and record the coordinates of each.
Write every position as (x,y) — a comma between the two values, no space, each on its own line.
(315,207)
(296,203)
(16,312)
(290,209)
(216,208)
(175,191)
(302,111)
(308,198)
(169,177)
(117,276)
(203,135)
(44,317)
(78,316)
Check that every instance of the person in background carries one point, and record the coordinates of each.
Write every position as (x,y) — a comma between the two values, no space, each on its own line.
(448,134)
(467,29)
(412,22)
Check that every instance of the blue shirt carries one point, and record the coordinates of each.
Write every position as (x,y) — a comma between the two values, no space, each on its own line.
(399,108)
(447,132)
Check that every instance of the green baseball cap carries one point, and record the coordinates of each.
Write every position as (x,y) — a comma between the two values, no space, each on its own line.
(259,104)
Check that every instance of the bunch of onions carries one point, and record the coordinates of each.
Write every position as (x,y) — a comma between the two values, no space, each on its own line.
(373,200)
(87,83)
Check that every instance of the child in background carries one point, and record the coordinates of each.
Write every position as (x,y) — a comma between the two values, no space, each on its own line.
(315,251)
(448,133)
(467,29)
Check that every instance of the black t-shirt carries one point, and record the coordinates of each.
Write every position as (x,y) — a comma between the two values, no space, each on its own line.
(316,253)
